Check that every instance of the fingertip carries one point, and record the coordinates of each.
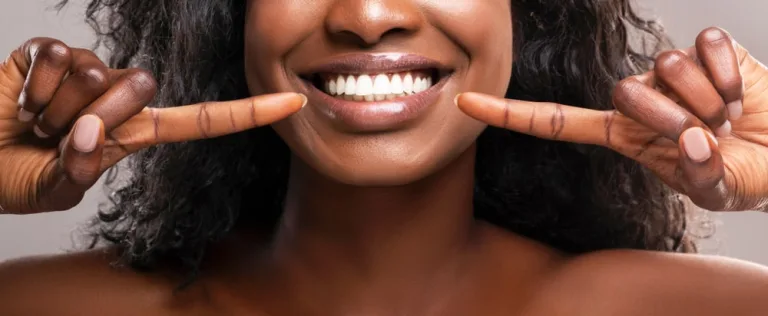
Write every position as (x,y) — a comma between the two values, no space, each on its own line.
(82,156)
(285,100)
(696,144)
(724,130)
(87,133)
(477,105)
(735,110)
(40,132)
(25,116)
(475,98)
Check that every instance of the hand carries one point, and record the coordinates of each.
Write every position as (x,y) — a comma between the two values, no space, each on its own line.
(65,118)
(699,121)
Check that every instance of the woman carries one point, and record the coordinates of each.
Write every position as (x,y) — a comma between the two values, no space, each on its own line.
(381,196)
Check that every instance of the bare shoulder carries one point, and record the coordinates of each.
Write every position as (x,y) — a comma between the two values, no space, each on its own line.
(83,283)
(655,283)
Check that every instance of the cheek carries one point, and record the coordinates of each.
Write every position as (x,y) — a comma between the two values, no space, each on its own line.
(484,30)
(272,29)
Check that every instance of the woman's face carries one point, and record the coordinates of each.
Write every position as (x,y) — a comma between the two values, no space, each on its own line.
(381,77)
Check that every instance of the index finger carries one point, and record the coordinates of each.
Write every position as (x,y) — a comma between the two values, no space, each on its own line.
(541,119)
(154,126)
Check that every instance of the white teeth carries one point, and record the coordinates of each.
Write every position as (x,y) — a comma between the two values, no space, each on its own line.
(376,88)
(364,85)
(332,87)
(341,85)
(351,84)
(418,85)
(381,86)
(396,86)
(408,84)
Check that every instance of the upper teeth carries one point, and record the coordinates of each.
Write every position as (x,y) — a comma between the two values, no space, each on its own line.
(377,87)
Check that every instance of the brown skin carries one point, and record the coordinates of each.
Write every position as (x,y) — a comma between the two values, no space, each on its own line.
(347,249)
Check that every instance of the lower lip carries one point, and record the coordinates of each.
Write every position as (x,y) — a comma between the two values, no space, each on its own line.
(377,116)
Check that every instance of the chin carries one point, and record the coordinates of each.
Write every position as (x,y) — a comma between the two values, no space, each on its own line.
(383,161)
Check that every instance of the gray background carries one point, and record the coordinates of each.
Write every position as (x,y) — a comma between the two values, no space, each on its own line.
(743,235)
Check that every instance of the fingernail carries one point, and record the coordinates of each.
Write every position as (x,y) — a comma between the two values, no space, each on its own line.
(724,130)
(25,116)
(305,100)
(696,145)
(86,134)
(456,99)
(39,132)
(735,110)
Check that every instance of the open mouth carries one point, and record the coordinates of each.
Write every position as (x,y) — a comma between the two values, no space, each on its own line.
(374,92)
(376,86)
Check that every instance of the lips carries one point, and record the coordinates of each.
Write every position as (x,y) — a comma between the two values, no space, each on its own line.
(374,92)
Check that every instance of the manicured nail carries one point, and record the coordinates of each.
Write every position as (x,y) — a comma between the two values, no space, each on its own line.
(86,134)
(696,144)
(724,130)
(735,110)
(305,100)
(456,99)
(25,116)
(39,132)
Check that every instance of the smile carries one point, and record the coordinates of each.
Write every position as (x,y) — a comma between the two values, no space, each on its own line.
(377,87)
(375,92)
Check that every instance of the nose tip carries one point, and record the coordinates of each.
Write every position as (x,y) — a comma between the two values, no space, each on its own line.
(368,22)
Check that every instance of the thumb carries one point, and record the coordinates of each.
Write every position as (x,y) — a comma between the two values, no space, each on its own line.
(540,119)
(79,164)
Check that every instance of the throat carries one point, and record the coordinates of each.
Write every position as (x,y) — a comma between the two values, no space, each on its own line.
(335,233)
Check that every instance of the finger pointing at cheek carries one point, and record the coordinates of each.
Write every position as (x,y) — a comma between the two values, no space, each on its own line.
(154,126)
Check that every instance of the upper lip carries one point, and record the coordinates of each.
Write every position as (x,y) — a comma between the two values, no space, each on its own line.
(362,63)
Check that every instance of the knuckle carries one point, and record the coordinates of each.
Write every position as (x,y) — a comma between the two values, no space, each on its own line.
(714,114)
(81,174)
(625,91)
(705,180)
(96,77)
(142,84)
(55,52)
(671,62)
(731,84)
(204,120)
(683,123)
(89,53)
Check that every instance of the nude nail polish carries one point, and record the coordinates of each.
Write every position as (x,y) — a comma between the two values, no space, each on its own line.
(696,145)
(39,132)
(735,110)
(25,116)
(86,134)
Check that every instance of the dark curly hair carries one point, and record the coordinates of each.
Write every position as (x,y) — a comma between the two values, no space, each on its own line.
(179,198)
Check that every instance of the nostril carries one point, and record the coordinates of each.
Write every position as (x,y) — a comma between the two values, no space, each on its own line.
(366,23)
(395,31)
(363,40)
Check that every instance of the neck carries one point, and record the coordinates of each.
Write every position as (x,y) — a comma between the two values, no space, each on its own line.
(364,233)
